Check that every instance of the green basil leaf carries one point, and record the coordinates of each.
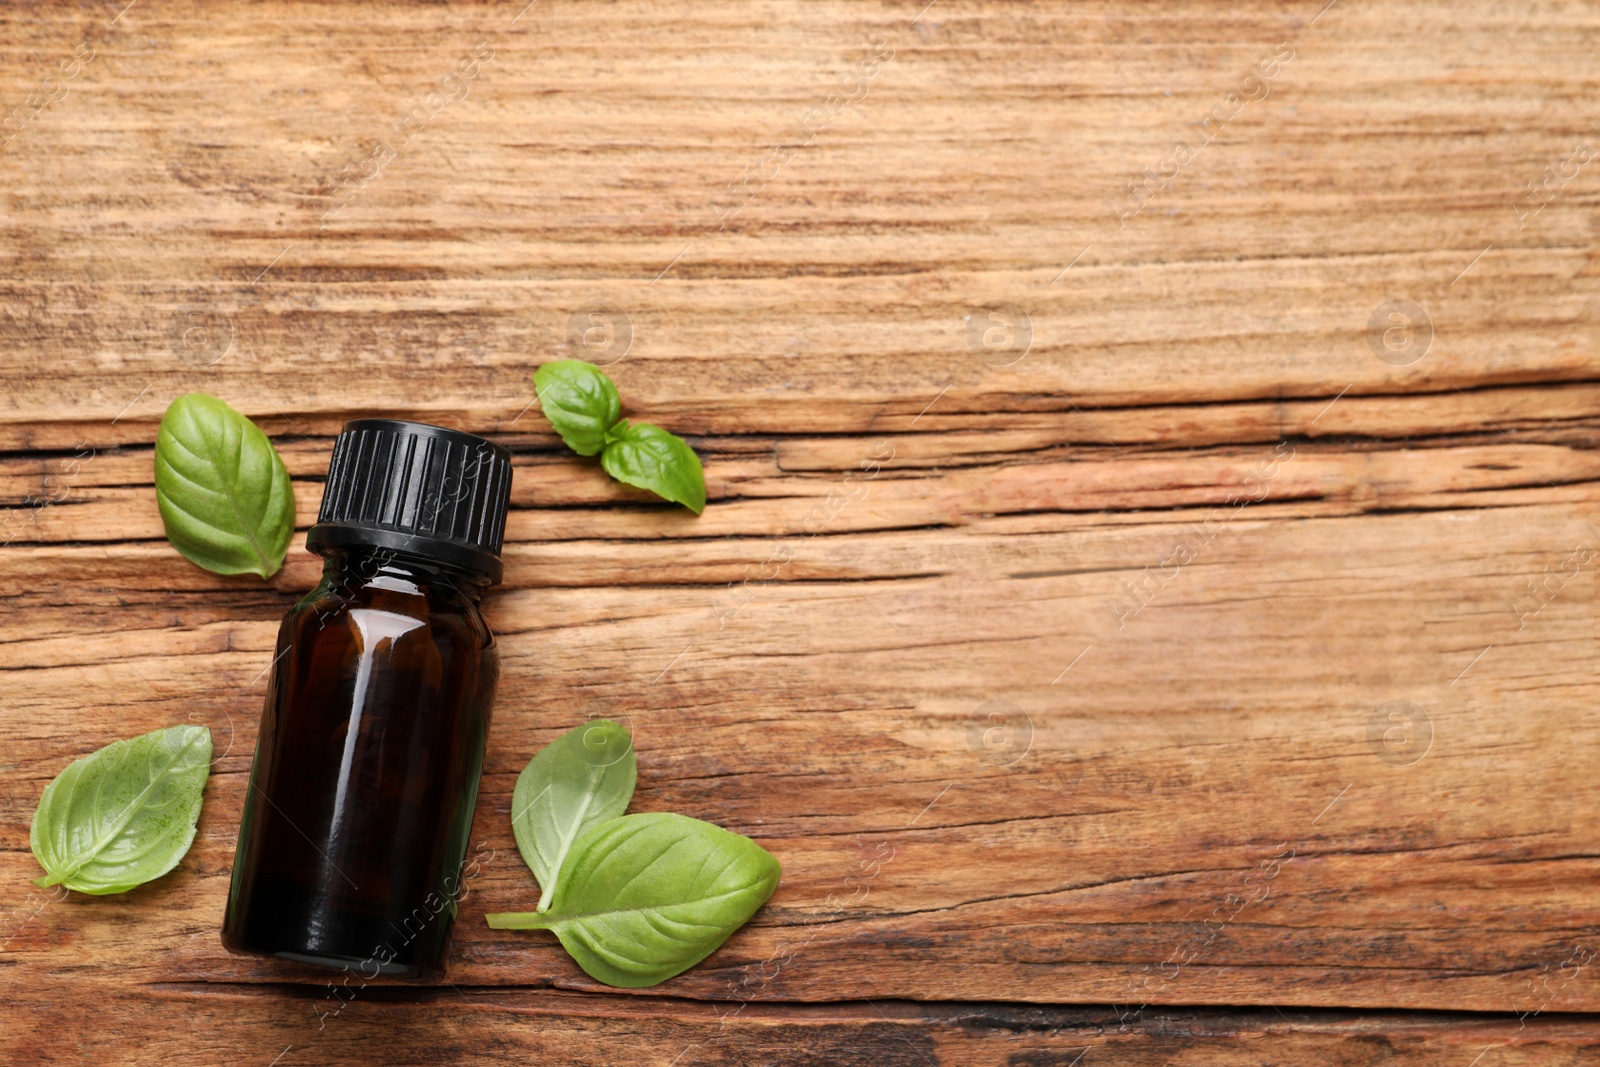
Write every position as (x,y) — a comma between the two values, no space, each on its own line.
(121,816)
(580,402)
(651,458)
(645,897)
(583,777)
(224,494)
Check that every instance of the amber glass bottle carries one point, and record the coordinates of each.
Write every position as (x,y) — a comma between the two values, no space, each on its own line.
(359,808)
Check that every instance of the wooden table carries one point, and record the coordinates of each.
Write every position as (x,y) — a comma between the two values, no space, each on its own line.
(1147,599)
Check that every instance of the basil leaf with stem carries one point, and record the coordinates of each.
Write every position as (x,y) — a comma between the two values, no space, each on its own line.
(123,815)
(224,494)
(580,402)
(645,897)
(651,458)
(585,776)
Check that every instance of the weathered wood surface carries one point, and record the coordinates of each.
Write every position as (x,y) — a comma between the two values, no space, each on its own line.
(1177,511)
(255,1024)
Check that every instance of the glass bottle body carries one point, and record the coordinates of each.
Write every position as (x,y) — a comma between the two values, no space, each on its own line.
(359,809)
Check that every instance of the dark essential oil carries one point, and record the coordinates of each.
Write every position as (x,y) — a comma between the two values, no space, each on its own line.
(359,810)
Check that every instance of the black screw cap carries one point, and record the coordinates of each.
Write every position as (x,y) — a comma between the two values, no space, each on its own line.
(424,490)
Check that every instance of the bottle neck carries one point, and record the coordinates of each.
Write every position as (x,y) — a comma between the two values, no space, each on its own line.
(355,566)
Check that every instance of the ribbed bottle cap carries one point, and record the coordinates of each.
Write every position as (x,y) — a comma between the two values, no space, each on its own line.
(415,488)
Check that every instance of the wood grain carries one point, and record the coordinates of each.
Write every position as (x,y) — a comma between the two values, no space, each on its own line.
(312,1026)
(978,440)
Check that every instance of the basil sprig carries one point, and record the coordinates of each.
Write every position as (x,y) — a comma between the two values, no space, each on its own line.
(224,494)
(645,897)
(123,815)
(582,404)
(634,899)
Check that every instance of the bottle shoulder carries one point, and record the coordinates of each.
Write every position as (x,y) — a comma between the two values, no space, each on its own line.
(445,611)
